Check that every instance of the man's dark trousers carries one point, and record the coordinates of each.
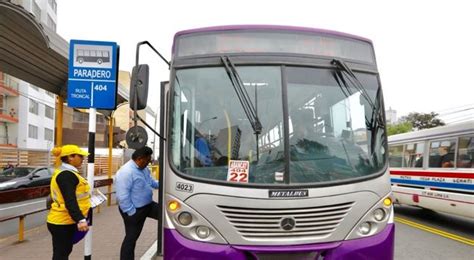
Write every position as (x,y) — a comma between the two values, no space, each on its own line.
(133,228)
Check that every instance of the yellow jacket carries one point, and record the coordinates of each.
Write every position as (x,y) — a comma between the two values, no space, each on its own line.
(58,213)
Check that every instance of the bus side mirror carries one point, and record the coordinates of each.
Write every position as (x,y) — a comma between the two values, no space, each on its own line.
(139,87)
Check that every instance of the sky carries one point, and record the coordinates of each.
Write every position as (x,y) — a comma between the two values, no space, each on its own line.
(424,49)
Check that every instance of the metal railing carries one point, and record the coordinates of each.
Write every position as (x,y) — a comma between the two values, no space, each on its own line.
(97,183)
(21,217)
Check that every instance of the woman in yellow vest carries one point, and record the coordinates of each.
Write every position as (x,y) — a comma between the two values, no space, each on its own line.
(70,199)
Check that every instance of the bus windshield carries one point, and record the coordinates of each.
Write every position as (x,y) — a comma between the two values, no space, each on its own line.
(326,135)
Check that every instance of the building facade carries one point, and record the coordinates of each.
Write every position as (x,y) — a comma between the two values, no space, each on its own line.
(26,111)
(391,116)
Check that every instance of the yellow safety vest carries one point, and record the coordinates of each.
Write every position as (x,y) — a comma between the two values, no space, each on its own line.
(58,213)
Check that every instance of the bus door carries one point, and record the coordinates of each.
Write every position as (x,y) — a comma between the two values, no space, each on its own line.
(164,99)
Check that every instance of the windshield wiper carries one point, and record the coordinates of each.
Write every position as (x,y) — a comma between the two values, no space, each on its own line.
(354,80)
(244,98)
(376,120)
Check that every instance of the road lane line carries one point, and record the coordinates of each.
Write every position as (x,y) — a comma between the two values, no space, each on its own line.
(436,231)
(26,204)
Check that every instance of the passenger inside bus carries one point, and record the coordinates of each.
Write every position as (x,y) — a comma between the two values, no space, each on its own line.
(446,158)
(303,141)
(203,151)
(443,157)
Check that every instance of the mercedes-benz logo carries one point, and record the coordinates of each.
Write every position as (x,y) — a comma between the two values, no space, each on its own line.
(287,224)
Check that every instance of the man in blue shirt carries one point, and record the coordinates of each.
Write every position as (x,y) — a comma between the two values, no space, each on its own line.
(134,190)
(203,153)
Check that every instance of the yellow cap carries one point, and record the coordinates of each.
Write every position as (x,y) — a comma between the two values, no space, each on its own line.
(68,149)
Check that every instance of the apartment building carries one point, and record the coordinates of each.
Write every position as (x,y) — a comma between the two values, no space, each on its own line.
(26,111)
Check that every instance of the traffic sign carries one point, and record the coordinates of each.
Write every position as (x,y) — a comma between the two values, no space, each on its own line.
(93,69)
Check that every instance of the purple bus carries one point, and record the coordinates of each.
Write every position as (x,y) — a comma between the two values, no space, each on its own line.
(275,147)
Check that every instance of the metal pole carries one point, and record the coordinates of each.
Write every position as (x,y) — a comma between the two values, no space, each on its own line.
(109,171)
(21,229)
(59,125)
(90,178)
(59,121)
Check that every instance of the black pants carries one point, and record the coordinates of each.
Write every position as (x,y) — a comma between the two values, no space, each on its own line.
(133,228)
(62,240)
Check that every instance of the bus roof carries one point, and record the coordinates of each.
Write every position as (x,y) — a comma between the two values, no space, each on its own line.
(266,27)
(433,133)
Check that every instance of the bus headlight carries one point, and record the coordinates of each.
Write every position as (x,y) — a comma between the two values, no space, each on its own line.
(189,223)
(185,218)
(203,232)
(375,220)
(379,214)
(365,228)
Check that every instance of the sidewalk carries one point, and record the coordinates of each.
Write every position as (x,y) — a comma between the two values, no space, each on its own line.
(108,233)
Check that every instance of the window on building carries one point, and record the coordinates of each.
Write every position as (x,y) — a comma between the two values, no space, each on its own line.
(33,131)
(49,112)
(11,82)
(48,134)
(34,87)
(50,94)
(442,153)
(34,107)
(465,152)
(51,23)
(53,5)
(36,11)
(80,117)
(414,155)
(395,155)
(100,119)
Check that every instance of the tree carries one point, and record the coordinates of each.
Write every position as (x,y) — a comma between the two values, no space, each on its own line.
(400,128)
(423,121)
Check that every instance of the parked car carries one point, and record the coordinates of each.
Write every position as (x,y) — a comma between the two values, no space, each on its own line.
(15,172)
(23,177)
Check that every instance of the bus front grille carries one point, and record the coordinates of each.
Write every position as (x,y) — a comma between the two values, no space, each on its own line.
(277,223)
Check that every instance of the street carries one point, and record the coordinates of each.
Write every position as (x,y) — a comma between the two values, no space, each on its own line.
(420,234)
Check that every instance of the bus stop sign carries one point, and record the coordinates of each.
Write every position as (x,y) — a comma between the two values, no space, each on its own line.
(93,69)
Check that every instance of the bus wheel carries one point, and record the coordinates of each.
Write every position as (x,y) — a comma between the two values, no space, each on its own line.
(99,61)
(80,60)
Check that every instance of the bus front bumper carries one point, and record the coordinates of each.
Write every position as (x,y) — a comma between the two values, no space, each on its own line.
(379,246)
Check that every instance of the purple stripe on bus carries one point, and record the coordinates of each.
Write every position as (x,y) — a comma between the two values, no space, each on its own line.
(379,246)
(265,27)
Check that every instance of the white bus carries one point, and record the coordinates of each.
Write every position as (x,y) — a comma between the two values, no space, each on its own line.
(434,168)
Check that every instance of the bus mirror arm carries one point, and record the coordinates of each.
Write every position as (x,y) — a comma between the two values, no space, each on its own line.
(137,54)
(139,81)
(151,128)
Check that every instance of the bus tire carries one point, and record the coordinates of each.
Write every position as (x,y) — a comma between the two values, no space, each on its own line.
(99,61)
(80,60)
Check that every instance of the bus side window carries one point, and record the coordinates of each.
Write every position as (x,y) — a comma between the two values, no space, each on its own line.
(414,155)
(442,153)
(395,155)
(465,157)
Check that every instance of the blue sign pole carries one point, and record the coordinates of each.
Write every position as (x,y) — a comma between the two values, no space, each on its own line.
(92,83)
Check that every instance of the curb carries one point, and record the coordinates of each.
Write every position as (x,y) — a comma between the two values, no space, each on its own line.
(150,254)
